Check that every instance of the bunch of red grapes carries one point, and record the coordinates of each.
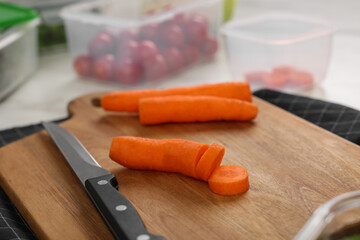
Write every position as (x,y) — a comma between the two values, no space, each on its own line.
(155,50)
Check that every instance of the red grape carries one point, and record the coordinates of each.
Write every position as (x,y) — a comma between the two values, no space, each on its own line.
(179,19)
(104,67)
(201,18)
(147,52)
(156,69)
(172,35)
(165,24)
(190,54)
(102,44)
(196,27)
(110,33)
(173,58)
(128,72)
(150,32)
(209,47)
(126,36)
(83,65)
(128,50)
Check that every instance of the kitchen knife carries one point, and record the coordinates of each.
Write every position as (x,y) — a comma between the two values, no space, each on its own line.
(101,186)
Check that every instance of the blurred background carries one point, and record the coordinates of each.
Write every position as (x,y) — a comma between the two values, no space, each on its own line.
(55,51)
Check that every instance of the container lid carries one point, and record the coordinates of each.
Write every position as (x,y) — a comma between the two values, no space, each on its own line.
(278,28)
(11,15)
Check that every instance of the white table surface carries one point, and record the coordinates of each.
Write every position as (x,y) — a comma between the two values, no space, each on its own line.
(46,94)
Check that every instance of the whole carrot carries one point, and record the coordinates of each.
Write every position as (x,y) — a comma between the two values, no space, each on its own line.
(159,110)
(169,155)
(127,101)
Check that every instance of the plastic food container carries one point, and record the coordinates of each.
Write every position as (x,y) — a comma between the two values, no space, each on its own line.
(131,42)
(51,32)
(337,219)
(18,46)
(278,51)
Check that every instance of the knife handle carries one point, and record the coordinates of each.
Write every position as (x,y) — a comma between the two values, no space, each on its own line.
(118,213)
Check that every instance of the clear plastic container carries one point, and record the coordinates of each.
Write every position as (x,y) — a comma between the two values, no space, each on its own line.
(337,219)
(18,55)
(278,51)
(131,42)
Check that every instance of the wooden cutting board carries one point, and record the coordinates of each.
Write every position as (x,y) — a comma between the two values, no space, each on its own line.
(294,166)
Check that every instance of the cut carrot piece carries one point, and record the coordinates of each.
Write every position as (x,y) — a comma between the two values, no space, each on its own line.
(257,76)
(209,161)
(128,101)
(275,80)
(229,180)
(159,110)
(301,78)
(169,155)
(284,70)
(279,76)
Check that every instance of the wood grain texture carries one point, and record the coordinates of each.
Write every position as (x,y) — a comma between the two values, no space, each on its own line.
(293,167)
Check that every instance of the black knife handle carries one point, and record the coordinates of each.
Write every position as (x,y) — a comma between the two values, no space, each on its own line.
(118,213)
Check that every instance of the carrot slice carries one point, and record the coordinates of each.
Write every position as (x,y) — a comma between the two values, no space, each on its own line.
(275,80)
(284,70)
(257,76)
(169,155)
(209,161)
(301,78)
(229,180)
(159,110)
(128,101)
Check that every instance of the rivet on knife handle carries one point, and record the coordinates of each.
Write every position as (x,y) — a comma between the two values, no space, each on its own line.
(119,214)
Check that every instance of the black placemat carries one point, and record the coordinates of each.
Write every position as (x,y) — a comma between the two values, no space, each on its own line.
(336,118)
(341,120)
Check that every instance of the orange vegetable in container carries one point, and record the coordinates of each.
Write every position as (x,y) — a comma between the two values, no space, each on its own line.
(301,78)
(256,76)
(284,70)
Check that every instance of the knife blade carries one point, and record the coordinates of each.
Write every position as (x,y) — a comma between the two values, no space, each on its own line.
(101,186)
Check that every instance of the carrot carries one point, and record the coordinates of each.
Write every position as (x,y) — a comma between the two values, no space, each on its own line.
(127,101)
(301,78)
(159,110)
(229,180)
(169,155)
(275,80)
(284,70)
(257,76)
(209,161)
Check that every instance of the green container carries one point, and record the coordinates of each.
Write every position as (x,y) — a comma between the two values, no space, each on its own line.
(18,46)
(11,15)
